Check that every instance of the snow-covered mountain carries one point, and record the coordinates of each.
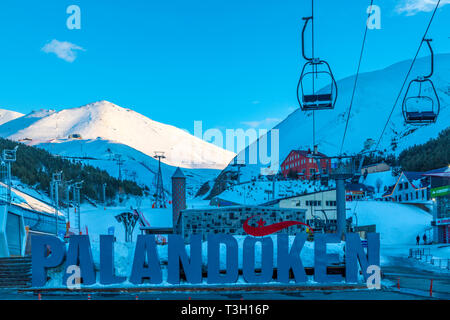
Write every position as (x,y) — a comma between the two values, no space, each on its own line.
(8,115)
(375,95)
(107,121)
(136,166)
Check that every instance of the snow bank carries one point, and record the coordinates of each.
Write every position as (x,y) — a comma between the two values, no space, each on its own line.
(396,223)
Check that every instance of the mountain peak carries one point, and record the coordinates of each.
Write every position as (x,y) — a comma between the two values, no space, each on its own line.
(102,104)
(108,121)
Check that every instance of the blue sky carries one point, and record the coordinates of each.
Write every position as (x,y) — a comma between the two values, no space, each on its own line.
(229,63)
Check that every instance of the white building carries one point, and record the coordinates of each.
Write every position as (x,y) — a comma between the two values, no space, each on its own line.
(411,187)
(320,207)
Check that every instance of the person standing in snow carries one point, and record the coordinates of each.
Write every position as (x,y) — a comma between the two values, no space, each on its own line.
(417,240)
(424,239)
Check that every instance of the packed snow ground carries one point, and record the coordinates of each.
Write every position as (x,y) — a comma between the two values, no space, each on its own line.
(398,224)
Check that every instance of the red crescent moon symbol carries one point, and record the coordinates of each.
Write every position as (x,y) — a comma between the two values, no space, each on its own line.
(266,230)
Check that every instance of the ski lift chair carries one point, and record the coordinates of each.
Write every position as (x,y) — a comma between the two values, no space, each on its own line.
(421,108)
(315,72)
(308,98)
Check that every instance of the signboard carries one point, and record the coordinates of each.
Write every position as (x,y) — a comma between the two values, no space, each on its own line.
(440,191)
(440,222)
(79,254)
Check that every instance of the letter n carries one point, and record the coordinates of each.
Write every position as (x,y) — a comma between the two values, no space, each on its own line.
(354,252)
(177,255)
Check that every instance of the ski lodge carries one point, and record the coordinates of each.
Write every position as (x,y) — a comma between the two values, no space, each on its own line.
(303,165)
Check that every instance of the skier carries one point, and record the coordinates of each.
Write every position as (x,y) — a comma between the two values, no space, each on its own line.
(417,240)
(424,239)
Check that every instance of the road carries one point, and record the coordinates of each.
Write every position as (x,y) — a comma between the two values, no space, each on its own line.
(404,273)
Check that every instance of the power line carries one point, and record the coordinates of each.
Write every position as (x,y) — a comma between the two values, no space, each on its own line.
(408,73)
(356,78)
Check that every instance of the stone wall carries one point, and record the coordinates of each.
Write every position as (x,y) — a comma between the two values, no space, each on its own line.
(229,220)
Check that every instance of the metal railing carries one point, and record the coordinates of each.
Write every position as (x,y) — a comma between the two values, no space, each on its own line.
(424,255)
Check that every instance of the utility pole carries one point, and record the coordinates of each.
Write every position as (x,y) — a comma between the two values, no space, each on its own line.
(160,196)
(68,186)
(274,181)
(238,165)
(104,193)
(118,159)
(9,156)
(343,170)
(77,199)
(56,180)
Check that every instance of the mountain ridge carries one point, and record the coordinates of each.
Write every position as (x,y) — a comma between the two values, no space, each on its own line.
(105,120)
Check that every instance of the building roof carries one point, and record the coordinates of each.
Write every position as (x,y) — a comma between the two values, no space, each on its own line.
(374,164)
(358,187)
(441,172)
(178,173)
(275,201)
(413,175)
(307,153)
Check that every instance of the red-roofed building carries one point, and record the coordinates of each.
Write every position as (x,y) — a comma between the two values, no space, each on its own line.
(302,164)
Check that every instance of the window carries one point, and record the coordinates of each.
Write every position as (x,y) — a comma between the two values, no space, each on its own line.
(406,185)
(417,194)
(400,186)
(312,171)
(423,195)
(406,197)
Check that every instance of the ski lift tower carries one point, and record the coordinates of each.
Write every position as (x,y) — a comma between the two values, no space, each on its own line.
(8,157)
(160,196)
(67,186)
(104,194)
(77,200)
(342,168)
(118,159)
(56,181)
(238,164)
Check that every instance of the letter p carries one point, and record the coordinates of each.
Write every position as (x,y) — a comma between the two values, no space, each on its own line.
(40,261)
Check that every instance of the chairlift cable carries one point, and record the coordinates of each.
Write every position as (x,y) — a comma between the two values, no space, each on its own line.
(356,77)
(408,73)
(312,52)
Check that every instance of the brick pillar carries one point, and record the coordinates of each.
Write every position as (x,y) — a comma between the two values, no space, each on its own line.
(178,196)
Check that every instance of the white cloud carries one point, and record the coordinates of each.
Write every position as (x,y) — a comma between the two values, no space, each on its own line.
(262,123)
(63,49)
(412,7)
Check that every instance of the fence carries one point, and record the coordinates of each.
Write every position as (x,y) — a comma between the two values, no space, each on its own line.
(424,255)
